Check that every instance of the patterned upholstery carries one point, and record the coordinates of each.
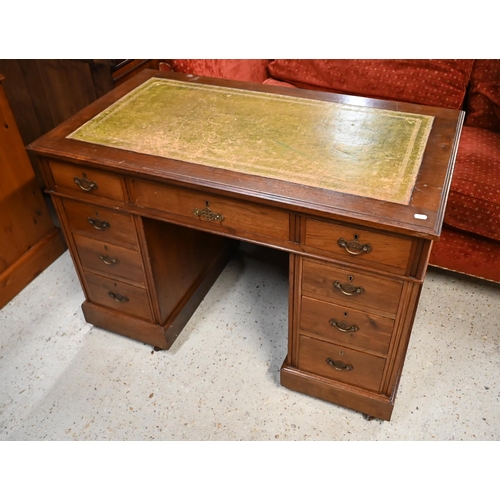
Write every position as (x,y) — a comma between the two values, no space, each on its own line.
(433,82)
(483,106)
(474,199)
(470,239)
(246,70)
(467,253)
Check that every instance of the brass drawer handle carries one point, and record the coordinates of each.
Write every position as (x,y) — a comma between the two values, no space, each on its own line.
(207,214)
(339,365)
(118,297)
(110,261)
(100,225)
(85,185)
(343,326)
(354,247)
(348,289)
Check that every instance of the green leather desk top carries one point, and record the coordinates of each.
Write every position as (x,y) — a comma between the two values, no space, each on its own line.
(349,149)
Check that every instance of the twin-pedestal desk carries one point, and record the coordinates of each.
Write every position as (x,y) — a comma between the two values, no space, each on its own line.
(156,182)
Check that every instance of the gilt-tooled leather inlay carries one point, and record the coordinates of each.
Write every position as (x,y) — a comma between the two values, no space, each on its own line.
(350,149)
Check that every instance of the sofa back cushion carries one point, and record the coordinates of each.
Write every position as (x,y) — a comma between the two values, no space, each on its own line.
(434,82)
(483,106)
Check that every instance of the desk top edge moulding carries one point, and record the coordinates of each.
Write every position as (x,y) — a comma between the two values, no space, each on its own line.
(156,182)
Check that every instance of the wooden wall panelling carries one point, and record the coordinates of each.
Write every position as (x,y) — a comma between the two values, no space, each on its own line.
(29,241)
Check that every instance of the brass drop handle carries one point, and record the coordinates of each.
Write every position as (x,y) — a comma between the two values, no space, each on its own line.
(339,365)
(100,225)
(348,289)
(207,214)
(85,185)
(343,326)
(118,297)
(110,261)
(354,247)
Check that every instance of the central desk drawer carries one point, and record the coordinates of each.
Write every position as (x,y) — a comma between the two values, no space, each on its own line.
(213,212)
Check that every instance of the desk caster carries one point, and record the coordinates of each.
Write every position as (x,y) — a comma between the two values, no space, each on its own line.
(368,417)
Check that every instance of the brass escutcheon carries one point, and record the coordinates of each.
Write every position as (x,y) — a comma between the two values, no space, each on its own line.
(207,214)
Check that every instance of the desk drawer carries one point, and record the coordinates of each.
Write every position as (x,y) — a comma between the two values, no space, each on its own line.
(100,223)
(86,182)
(107,258)
(213,212)
(340,363)
(359,245)
(346,326)
(351,287)
(119,296)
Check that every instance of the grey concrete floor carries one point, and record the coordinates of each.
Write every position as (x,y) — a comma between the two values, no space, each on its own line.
(63,379)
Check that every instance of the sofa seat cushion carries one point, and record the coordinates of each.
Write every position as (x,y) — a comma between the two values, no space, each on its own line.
(467,253)
(438,82)
(474,199)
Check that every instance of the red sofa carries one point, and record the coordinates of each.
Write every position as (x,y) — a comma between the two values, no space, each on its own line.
(470,239)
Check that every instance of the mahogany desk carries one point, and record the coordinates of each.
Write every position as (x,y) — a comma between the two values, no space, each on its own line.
(156,181)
